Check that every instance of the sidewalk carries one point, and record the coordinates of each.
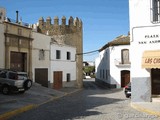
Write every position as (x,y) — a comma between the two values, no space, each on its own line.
(152,108)
(13,104)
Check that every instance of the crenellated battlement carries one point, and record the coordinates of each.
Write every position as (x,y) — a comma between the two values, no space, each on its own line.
(58,27)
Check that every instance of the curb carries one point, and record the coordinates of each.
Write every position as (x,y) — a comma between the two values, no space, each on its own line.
(9,114)
(142,109)
(17,111)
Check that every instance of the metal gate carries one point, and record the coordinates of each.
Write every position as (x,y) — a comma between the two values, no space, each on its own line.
(125,77)
(41,76)
(18,61)
(155,78)
(57,77)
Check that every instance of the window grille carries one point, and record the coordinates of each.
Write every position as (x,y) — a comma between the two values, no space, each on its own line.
(68,55)
(155,11)
(58,54)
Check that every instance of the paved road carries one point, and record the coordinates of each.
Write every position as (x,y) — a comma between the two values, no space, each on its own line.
(93,103)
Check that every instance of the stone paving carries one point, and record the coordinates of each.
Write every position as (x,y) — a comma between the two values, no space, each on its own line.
(92,103)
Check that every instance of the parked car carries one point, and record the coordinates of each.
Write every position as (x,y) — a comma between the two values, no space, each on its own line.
(11,81)
(127,90)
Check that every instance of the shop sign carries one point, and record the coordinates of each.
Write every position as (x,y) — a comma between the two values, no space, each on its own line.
(152,60)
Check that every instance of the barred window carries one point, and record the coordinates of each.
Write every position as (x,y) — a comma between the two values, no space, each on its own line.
(155,11)
(58,54)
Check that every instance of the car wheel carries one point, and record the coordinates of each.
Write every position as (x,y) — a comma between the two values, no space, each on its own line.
(27,84)
(127,96)
(5,90)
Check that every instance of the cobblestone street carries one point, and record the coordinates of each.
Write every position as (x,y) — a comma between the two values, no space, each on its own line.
(94,102)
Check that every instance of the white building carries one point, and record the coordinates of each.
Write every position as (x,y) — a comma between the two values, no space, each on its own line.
(63,65)
(54,64)
(41,65)
(145,49)
(113,65)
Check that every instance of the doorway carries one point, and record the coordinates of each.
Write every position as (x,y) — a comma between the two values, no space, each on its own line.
(57,78)
(125,77)
(18,61)
(155,81)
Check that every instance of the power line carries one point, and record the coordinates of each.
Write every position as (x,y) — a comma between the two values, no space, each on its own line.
(87,52)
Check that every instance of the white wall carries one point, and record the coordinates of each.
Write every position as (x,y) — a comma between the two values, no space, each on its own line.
(115,70)
(102,63)
(64,65)
(141,27)
(107,60)
(2,46)
(140,13)
(40,42)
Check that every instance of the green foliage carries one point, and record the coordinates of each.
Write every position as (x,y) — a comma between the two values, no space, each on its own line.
(89,69)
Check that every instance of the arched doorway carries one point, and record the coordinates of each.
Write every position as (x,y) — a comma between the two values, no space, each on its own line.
(125,77)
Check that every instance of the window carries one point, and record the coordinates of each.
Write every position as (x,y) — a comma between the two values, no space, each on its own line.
(155,11)
(41,54)
(58,54)
(2,74)
(125,56)
(68,55)
(106,74)
(68,77)
(100,73)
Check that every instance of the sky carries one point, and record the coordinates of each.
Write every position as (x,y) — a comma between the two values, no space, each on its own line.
(103,20)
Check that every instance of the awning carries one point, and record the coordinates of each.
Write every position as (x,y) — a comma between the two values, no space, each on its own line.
(151,59)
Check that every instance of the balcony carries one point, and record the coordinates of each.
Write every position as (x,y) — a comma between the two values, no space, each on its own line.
(118,63)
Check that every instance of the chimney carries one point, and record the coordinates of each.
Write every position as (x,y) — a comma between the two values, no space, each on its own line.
(16,16)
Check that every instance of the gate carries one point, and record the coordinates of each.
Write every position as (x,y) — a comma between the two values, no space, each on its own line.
(41,76)
(57,77)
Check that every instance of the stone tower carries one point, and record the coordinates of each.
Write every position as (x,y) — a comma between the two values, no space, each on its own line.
(72,34)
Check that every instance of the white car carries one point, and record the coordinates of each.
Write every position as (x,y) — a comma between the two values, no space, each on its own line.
(14,81)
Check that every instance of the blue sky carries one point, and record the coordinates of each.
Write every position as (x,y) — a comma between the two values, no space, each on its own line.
(103,20)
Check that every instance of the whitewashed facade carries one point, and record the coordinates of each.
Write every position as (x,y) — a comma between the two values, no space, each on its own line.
(41,43)
(65,63)
(145,49)
(46,62)
(109,66)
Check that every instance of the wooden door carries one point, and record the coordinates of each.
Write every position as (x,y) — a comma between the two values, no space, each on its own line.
(125,77)
(57,78)
(155,78)
(18,61)
(41,76)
